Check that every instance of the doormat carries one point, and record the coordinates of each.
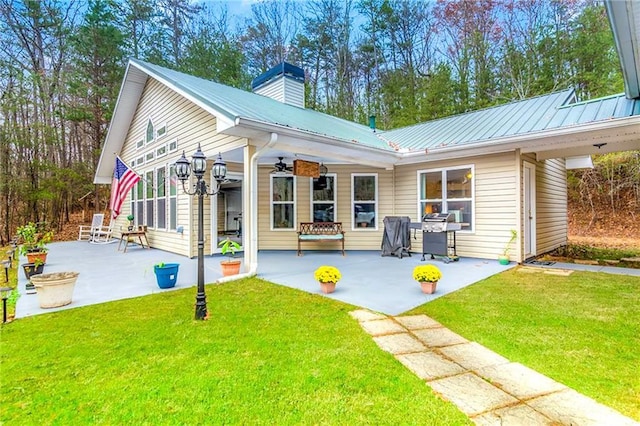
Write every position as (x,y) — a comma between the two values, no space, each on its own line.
(540,262)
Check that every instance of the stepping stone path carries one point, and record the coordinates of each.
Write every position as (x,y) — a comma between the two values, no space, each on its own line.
(487,387)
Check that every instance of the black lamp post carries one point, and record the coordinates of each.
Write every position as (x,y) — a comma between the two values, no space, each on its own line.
(5,292)
(183,169)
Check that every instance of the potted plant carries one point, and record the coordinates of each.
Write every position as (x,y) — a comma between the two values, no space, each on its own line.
(55,289)
(504,257)
(231,266)
(130,219)
(428,277)
(328,277)
(166,274)
(34,243)
(31,269)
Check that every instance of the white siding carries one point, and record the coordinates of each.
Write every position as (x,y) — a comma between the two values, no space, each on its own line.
(551,205)
(189,125)
(285,90)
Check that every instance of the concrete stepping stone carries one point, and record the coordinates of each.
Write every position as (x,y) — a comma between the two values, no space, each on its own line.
(382,327)
(520,381)
(439,337)
(473,356)
(365,315)
(429,365)
(471,394)
(517,415)
(569,407)
(417,322)
(399,343)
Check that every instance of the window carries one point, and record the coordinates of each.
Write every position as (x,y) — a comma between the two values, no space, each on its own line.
(323,199)
(139,161)
(139,212)
(161,151)
(148,177)
(173,203)
(283,202)
(140,144)
(149,157)
(172,146)
(150,132)
(447,190)
(364,196)
(161,199)
(161,131)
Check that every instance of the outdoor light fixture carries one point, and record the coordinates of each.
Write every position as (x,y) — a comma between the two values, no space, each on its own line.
(198,166)
(5,292)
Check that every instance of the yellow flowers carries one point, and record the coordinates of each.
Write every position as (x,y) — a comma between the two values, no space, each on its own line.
(327,274)
(426,273)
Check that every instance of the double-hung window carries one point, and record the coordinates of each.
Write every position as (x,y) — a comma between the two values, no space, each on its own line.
(364,199)
(448,190)
(149,198)
(323,198)
(173,198)
(283,202)
(161,197)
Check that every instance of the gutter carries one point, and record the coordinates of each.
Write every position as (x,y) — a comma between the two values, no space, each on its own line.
(253,245)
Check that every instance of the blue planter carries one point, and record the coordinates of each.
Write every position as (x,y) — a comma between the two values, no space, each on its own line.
(166,275)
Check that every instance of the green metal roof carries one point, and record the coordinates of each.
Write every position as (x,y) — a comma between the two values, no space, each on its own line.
(235,103)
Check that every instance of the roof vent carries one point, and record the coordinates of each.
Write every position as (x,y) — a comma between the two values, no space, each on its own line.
(284,83)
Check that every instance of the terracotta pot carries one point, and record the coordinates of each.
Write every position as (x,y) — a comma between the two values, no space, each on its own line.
(428,287)
(55,289)
(230,267)
(327,287)
(42,255)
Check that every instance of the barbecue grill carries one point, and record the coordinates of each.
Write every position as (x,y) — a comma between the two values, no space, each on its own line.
(438,235)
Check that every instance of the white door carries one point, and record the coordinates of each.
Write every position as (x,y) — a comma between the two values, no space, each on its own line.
(529,209)
(226,212)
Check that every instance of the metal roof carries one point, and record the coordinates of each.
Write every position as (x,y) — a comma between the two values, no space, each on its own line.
(517,118)
(624,17)
(238,104)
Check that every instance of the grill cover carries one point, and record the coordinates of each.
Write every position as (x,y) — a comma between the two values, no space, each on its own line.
(396,239)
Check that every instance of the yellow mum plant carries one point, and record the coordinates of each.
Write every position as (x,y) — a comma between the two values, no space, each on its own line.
(426,273)
(327,274)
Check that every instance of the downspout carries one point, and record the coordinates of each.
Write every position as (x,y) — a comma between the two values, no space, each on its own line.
(253,267)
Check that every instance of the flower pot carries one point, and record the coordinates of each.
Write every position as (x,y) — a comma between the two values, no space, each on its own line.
(230,267)
(503,260)
(327,287)
(41,255)
(31,269)
(55,289)
(428,287)
(166,275)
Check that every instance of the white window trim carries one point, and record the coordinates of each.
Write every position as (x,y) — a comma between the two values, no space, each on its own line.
(140,144)
(153,198)
(443,198)
(156,198)
(170,197)
(164,126)
(353,203)
(271,203)
(335,197)
(146,127)
(169,145)
(160,155)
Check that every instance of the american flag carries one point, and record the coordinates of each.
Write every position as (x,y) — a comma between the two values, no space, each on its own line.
(123,180)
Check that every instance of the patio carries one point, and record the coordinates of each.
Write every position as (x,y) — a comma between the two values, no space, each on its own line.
(382,284)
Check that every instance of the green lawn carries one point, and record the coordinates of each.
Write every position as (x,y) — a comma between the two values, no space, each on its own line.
(268,355)
(582,330)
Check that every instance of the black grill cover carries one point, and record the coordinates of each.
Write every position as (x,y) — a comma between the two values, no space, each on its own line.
(396,239)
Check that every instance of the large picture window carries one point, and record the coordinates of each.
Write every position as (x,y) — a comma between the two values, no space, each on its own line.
(364,196)
(161,197)
(448,190)
(323,199)
(283,202)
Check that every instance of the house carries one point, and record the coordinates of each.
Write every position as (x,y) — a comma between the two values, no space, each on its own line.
(495,170)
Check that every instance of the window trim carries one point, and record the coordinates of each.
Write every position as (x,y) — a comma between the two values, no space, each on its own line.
(443,196)
(353,203)
(157,198)
(171,167)
(272,203)
(334,202)
(148,141)
(164,128)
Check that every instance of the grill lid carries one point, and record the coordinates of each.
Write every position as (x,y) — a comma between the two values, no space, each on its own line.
(438,217)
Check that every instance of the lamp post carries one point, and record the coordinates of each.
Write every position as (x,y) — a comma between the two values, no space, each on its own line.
(198,165)
(5,292)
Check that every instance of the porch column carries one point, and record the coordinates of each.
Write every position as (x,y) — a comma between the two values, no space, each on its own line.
(249,209)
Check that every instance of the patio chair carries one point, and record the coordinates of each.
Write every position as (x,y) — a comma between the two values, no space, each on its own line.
(102,234)
(85,233)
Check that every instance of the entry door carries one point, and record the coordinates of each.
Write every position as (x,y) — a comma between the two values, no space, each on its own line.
(226,212)
(529,209)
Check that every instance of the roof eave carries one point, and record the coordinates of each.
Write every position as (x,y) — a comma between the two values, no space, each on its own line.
(624,17)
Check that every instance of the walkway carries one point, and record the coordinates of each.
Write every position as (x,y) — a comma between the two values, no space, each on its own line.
(487,387)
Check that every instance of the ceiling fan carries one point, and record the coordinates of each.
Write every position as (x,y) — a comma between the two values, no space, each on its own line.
(281,167)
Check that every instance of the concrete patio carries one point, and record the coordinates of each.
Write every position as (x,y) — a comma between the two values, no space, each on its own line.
(381,284)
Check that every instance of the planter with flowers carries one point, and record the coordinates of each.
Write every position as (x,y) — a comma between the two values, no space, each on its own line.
(34,242)
(328,277)
(428,277)
(228,247)
(130,219)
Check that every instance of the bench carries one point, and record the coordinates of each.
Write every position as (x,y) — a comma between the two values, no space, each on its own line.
(320,232)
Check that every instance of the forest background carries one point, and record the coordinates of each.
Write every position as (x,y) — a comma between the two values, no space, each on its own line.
(62,63)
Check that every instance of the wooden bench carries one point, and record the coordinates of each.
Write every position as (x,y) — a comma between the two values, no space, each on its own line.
(320,232)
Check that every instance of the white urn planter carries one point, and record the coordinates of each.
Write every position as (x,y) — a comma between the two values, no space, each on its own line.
(55,289)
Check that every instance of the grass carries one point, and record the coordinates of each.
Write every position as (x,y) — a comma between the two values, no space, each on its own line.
(580,330)
(267,355)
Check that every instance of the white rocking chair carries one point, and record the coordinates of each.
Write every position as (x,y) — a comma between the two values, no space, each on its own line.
(102,234)
(85,233)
